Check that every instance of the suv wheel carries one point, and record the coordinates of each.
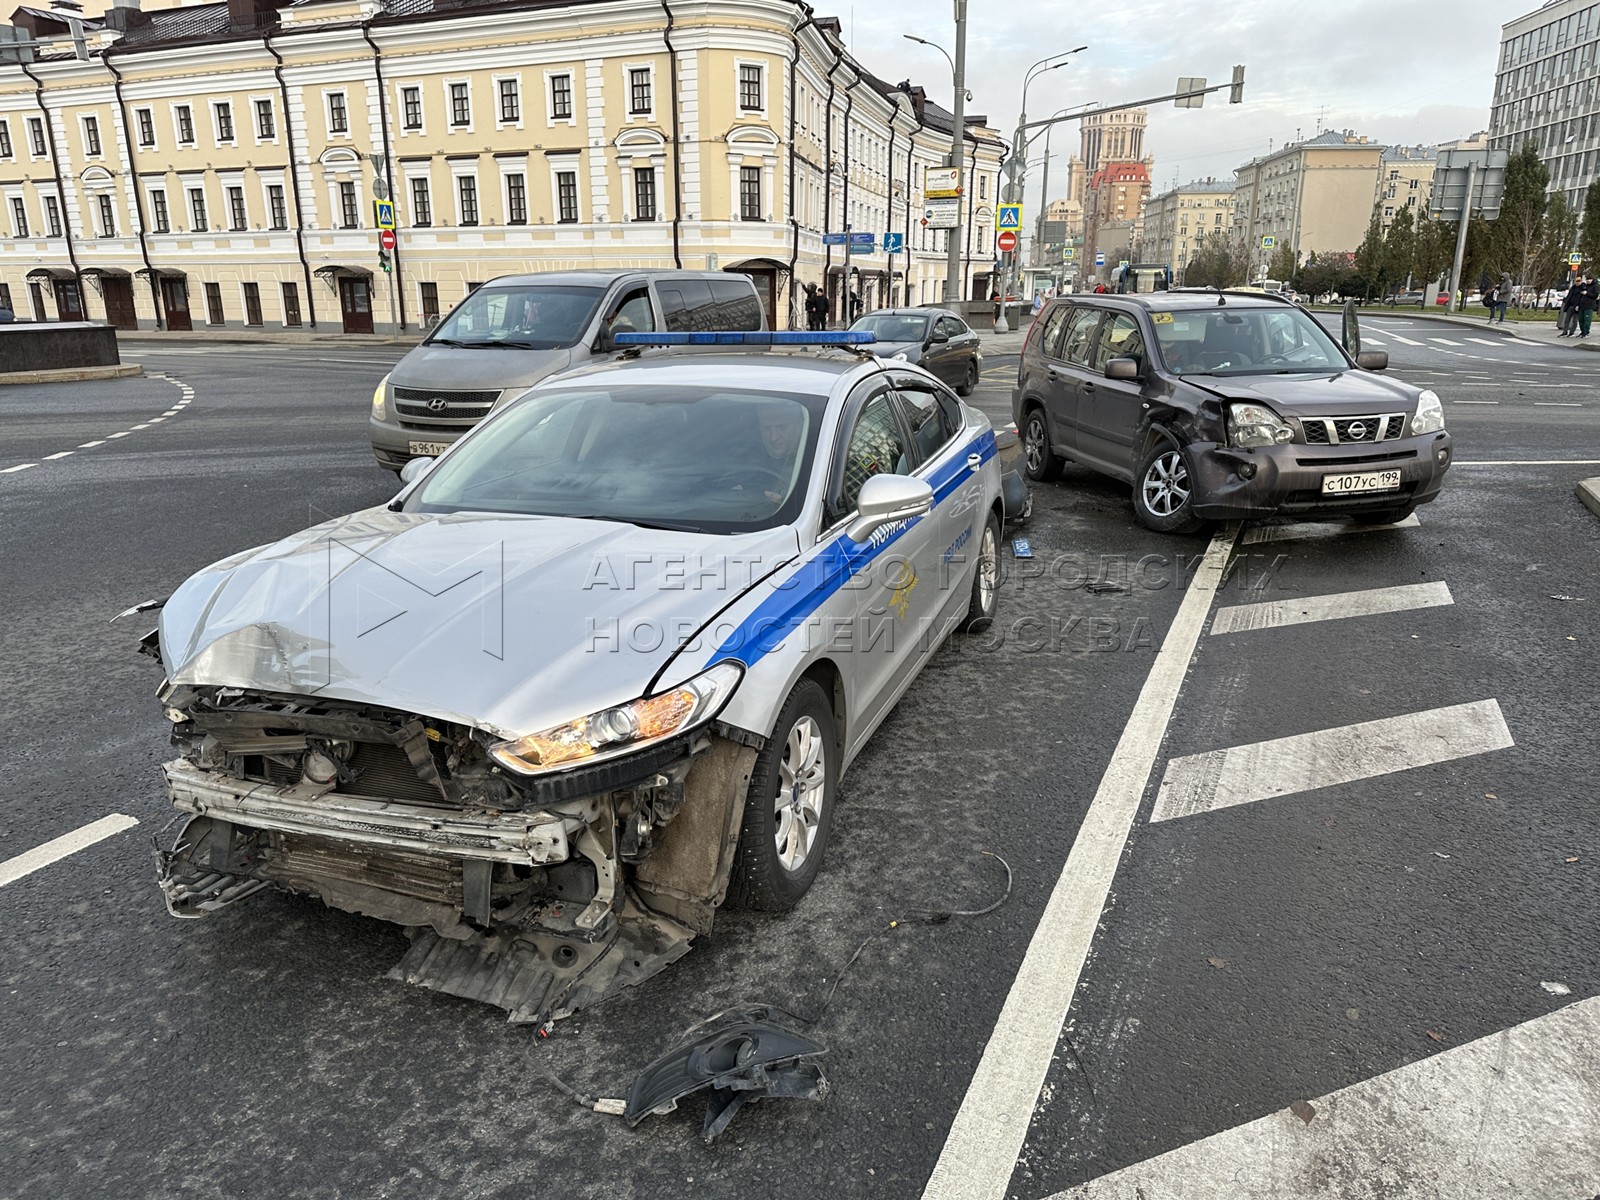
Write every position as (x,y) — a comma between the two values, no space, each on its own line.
(1039,463)
(969,381)
(1163,492)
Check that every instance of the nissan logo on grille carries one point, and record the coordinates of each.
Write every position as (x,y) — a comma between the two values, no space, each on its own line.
(438,404)
(1357,430)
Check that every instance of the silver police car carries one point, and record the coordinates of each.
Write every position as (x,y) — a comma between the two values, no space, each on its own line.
(595,671)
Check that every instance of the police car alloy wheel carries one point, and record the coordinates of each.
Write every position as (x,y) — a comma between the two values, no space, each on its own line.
(985,580)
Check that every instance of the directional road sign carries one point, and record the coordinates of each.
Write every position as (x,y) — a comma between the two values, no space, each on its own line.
(863,241)
(1007,242)
(894,243)
(835,239)
(1009,216)
(383,214)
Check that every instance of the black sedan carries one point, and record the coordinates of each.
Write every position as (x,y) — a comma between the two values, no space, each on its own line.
(936,340)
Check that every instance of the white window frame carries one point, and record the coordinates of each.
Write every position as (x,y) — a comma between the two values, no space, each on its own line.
(44,138)
(100,195)
(422,108)
(189,189)
(177,129)
(216,123)
(558,164)
(412,172)
(48,202)
(509,167)
(550,119)
(327,114)
(450,126)
(149,199)
(14,198)
(11,142)
(234,179)
(458,172)
(255,120)
(267,181)
(739,64)
(153,144)
(628,68)
(522,108)
(99,133)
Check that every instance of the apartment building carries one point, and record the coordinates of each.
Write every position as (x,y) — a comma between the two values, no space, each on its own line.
(1405,180)
(1312,196)
(215,165)
(1547,91)
(1178,220)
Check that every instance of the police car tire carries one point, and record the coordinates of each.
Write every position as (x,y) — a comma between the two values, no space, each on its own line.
(981,608)
(760,882)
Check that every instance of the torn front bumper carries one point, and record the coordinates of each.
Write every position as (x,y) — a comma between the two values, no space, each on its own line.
(1232,484)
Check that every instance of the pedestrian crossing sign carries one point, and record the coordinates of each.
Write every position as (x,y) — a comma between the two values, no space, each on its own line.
(383,214)
(1008,216)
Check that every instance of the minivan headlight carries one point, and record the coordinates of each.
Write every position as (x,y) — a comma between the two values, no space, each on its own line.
(1254,425)
(624,729)
(1430,414)
(380,411)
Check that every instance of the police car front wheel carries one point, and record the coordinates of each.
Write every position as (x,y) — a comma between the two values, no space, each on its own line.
(788,809)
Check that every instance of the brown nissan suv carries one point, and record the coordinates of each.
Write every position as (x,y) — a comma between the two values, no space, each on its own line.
(1224,406)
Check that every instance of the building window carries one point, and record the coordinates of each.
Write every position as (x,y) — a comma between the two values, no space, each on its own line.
(561,97)
(430,302)
(644,193)
(213,304)
(510,101)
(91,136)
(185,125)
(421,206)
(252,304)
(224,116)
(36,136)
(266,126)
(19,217)
(5,139)
(291,305)
(516,199)
(750,193)
(5,296)
(108,216)
(567,197)
(158,210)
(467,194)
(639,91)
(236,210)
(460,106)
(276,209)
(52,216)
(750,99)
(411,106)
(147,127)
(338,115)
(983,187)
(349,214)
(197,209)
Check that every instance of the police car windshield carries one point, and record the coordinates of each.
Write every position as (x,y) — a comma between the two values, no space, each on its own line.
(1234,340)
(531,317)
(678,457)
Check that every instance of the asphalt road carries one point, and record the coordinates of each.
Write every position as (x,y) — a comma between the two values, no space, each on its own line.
(1253,953)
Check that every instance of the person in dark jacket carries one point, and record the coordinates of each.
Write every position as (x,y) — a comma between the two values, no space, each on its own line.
(1567,321)
(816,308)
(1588,300)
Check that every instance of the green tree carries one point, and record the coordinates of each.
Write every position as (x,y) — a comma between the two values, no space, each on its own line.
(1281,267)
(1519,230)
(1560,237)
(1400,247)
(1219,261)
(1431,254)
(1589,235)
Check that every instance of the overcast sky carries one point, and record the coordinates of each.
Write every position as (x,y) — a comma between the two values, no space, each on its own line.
(1399,71)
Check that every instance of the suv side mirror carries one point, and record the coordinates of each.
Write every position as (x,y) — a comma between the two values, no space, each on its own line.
(1373,360)
(885,499)
(1123,368)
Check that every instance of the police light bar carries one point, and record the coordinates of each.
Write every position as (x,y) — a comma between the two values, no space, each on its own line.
(732,338)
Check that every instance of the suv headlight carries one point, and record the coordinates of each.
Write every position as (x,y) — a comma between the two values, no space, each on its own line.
(1430,414)
(1253,425)
(380,410)
(624,729)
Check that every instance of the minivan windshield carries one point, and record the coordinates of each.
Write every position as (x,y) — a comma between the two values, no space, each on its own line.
(1233,340)
(696,458)
(537,316)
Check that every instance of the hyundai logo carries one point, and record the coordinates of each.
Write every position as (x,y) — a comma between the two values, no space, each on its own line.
(1357,430)
(438,404)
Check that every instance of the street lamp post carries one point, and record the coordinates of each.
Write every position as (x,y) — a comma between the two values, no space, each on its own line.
(1044,186)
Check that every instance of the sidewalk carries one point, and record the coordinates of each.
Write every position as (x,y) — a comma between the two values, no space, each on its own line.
(247,337)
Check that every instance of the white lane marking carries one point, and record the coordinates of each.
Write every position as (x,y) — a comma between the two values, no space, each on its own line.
(18,467)
(56,849)
(1285,766)
(140,427)
(1475,383)
(1372,341)
(169,412)
(1556,404)
(1527,462)
(1484,341)
(90,445)
(1404,341)
(1507,1108)
(1318,529)
(109,436)
(1474,402)
(990,1127)
(1443,341)
(59,454)
(1272,614)
(156,420)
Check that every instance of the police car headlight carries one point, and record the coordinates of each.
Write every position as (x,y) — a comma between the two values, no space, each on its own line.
(1430,414)
(624,729)
(380,410)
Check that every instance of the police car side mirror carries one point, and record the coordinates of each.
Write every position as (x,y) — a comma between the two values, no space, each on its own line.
(414,469)
(885,499)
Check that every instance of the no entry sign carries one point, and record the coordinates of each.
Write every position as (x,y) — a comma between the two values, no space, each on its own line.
(1007,241)
(386,239)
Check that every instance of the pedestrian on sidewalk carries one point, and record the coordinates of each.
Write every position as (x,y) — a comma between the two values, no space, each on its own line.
(1567,321)
(1588,300)
(816,308)
(1491,300)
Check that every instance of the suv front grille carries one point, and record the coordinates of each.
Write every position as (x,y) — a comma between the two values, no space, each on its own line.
(431,407)
(1340,431)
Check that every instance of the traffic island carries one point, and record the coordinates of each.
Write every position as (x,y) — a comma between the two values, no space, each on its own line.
(1589,493)
(72,374)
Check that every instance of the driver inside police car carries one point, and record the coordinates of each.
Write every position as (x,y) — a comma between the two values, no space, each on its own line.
(781,424)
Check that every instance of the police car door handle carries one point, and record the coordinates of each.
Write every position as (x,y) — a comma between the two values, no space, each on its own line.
(975,461)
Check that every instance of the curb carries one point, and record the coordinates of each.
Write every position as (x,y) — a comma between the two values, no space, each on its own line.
(1589,493)
(72,374)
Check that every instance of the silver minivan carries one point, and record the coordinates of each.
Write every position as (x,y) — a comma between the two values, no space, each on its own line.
(517,330)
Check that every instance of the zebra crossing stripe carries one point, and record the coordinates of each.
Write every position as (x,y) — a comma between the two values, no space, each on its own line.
(1274,614)
(1311,530)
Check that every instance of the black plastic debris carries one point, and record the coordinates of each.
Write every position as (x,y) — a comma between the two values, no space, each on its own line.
(736,1057)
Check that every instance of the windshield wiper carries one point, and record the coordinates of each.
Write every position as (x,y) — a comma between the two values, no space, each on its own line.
(674,526)
(438,341)
(506,345)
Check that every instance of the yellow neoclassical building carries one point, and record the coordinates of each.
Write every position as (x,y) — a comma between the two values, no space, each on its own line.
(215,166)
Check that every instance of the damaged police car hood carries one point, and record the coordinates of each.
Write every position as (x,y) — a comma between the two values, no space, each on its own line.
(509,623)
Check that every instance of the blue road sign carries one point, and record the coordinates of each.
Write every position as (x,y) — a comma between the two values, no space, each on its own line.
(383,214)
(863,241)
(834,239)
(1099,260)
(894,243)
(1008,216)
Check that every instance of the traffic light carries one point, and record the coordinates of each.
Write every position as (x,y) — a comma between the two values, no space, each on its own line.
(1236,92)
(383,260)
